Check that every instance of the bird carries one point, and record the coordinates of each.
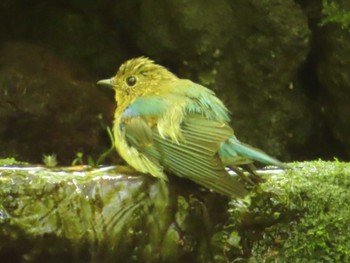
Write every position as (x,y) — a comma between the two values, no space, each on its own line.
(165,124)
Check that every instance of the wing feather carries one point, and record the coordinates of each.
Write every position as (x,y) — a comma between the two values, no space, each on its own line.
(195,158)
(183,135)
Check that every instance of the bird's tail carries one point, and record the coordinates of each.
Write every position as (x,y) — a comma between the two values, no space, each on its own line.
(234,152)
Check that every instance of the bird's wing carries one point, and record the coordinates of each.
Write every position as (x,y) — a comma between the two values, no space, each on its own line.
(147,106)
(204,102)
(199,99)
(190,147)
(196,157)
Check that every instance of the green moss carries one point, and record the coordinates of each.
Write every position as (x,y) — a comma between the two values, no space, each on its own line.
(302,215)
(299,215)
(334,13)
(11,161)
(102,214)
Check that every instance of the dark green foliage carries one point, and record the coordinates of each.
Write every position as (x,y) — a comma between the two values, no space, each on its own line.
(300,216)
(334,13)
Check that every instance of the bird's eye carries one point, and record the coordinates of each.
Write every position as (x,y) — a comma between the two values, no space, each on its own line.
(131,81)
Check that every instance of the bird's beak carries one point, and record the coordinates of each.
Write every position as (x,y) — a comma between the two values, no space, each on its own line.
(106,82)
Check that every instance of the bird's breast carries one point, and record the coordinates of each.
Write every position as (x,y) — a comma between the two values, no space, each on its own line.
(130,154)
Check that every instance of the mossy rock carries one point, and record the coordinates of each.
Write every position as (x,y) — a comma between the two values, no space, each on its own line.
(112,214)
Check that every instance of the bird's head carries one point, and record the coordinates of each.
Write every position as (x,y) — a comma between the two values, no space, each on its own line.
(137,77)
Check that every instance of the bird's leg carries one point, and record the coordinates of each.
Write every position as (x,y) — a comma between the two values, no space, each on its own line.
(240,172)
(254,176)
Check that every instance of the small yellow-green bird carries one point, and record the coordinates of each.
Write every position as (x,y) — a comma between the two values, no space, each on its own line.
(164,123)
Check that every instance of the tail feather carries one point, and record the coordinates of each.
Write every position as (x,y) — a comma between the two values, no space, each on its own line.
(233,152)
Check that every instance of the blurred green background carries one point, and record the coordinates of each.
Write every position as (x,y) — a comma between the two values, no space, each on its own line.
(281,67)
